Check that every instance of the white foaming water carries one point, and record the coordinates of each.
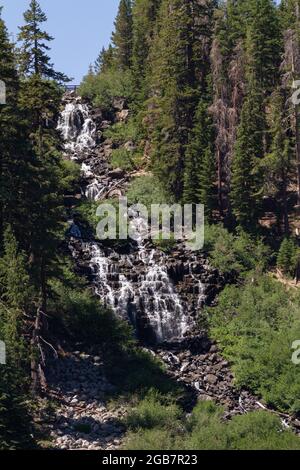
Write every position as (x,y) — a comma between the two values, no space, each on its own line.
(94,190)
(152,294)
(77,127)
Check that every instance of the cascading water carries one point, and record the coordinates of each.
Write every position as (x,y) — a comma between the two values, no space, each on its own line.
(151,294)
(77,127)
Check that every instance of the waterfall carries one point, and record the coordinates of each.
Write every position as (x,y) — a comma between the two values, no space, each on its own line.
(77,128)
(161,303)
(132,292)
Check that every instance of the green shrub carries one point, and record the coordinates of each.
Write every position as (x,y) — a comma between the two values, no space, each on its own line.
(87,320)
(256,326)
(102,88)
(150,439)
(151,412)
(86,214)
(125,159)
(254,431)
(204,429)
(288,257)
(239,253)
(122,132)
(148,190)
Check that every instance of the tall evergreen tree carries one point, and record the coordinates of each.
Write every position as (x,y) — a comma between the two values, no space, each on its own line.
(145,14)
(33,54)
(179,63)
(39,100)
(200,169)
(8,119)
(105,59)
(247,181)
(122,36)
(278,165)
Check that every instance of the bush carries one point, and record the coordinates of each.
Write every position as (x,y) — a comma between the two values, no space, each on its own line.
(256,326)
(87,320)
(122,132)
(150,439)
(125,159)
(104,87)
(239,253)
(151,412)
(255,431)
(206,430)
(288,257)
(148,190)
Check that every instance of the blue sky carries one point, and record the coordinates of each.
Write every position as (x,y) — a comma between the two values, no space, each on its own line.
(80,28)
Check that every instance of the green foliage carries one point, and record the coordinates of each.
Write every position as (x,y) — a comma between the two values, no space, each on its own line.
(121,132)
(178,76)
(256,326)
(246,179)
(125,159)
(102,88)
(86,320)
(151,413)
(240,253)
(122,35)
(148,190)
(199,178)
(288,256)
(86,214)
(205,430)
(33,57)
(15,292)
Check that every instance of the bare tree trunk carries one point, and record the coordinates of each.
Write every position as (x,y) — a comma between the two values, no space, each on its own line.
(285,206)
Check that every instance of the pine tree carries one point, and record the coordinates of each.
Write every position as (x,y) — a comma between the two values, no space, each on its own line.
(105,60)
(8,120)
(33,54)
(15,292)
(287,256)
(145,15)
(290,19)
(179,63)
(246,181)
(39,101)
(122,36)
(264,43)
(247,43)
(200,170)
(278,165)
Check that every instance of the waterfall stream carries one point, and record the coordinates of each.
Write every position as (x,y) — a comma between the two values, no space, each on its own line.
(77,127)
(150,293)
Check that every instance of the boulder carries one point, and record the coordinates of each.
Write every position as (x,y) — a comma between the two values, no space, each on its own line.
(122,115)
(119,103)
(118,173)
